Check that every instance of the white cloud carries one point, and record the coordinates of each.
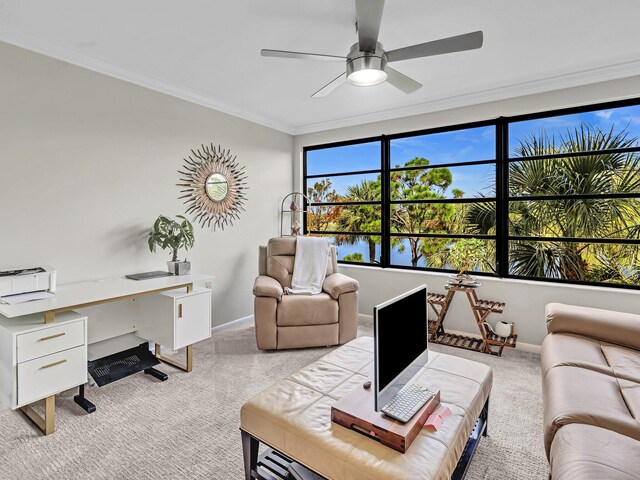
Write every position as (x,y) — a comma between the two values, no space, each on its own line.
(604,114)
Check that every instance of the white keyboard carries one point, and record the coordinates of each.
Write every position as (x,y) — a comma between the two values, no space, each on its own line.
(407,402)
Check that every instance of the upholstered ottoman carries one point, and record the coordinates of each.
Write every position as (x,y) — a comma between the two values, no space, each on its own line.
(294,417)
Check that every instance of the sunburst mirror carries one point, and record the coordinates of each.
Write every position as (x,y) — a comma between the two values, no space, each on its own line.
(214,186)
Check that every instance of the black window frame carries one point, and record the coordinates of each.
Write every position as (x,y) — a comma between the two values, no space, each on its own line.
(502,196)
(308,205)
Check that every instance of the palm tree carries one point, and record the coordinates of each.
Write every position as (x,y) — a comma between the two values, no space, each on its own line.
(361,218)
(599,174)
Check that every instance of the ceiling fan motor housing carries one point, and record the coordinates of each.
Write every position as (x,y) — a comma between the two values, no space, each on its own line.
(358,61)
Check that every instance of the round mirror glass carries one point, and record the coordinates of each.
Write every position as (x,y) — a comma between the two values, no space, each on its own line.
(217,187)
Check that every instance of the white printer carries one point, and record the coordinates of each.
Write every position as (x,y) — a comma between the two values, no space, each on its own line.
(16,281)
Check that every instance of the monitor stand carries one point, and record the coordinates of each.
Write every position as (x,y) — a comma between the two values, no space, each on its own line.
(356,411)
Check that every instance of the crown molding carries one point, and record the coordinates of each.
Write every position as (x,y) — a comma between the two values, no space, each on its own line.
(505,92)
(14,36)
(11,35)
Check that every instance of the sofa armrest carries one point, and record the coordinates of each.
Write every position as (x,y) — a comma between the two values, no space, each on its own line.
(606,325)
(337,284)
(265,286)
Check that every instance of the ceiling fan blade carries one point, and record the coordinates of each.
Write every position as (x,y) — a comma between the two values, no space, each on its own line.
(368,17)
(459,43)
(331,86)
(401,81)
(265,52)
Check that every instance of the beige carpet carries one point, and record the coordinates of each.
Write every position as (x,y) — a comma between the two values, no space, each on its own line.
(187,427)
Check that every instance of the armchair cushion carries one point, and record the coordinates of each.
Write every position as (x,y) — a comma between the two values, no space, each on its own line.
(337,284)
(265,286)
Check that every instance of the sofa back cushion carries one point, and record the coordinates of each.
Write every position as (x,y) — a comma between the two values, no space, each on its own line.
(613,327)
(280,258)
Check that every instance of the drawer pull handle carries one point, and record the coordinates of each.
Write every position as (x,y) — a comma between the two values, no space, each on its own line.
(52,336)
(179,310)
(52,364)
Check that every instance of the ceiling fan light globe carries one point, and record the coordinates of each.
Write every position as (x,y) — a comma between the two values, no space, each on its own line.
(367,77)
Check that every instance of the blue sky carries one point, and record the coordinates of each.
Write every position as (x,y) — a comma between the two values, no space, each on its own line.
(619,118)
(459,146)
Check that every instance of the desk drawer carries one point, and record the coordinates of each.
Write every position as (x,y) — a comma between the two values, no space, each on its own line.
(45,376)
(46,341)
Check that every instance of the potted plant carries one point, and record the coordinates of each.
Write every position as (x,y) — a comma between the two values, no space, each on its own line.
(173,235)
(466,254)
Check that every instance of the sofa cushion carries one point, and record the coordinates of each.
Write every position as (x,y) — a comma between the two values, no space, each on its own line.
(337,284)
(580,395)
(281,258)
(606,325)
(566,349)
(298,310)
(586,452)
(265,286)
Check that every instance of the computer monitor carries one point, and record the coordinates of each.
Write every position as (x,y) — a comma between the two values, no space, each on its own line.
(401,332)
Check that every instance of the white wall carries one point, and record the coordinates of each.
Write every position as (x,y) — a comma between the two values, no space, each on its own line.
(525,300)
(87,163)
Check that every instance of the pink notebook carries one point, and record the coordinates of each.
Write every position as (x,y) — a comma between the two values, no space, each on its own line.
(437,418)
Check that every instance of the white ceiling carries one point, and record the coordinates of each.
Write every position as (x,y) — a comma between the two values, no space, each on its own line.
(208,51)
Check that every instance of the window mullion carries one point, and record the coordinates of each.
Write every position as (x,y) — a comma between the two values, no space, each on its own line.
(502,195)
(385,180)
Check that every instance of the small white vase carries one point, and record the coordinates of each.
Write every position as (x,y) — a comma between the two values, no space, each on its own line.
(503,329)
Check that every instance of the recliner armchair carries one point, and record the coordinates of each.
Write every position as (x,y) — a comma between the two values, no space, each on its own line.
(296,321)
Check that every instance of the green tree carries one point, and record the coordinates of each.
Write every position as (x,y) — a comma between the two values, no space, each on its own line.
(321,217)
(411,218)
(354,257)
(361,218)
(600,174)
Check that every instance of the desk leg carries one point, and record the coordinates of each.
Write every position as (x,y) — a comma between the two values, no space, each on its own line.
(187,367)
(49,317)
(47,423)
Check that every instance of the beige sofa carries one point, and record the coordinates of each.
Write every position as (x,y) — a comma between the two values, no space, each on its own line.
(591,387)
(296,321)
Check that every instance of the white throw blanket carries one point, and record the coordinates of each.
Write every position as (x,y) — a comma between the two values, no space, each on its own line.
(310,266)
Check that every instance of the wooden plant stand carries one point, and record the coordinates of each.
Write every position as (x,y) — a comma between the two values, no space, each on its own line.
(488,343)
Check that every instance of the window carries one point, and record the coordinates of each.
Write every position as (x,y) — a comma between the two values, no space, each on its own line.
(553,196)
(574,196)
(436,180)
(342,183)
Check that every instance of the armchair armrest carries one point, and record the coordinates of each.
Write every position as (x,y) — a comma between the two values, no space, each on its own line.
(337,284)
(607,325)
(265,286)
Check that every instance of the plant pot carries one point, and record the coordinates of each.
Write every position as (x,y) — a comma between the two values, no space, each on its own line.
(179,268)
(503,329)
(462,279)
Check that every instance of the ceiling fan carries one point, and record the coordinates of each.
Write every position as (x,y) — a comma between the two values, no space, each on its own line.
(367,60)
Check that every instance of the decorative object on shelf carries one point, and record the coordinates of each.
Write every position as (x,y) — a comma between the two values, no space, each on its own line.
(464,255)
(464,280)
(173,235)
(215,186)
(293,214)
(503,329)
(490,341)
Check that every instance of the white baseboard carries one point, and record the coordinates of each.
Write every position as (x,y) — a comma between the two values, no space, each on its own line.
(240,322)
(525,347)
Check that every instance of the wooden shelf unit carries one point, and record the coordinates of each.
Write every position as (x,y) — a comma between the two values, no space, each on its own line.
(489,342)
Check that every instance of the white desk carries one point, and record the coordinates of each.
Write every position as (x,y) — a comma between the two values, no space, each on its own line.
(40,335)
